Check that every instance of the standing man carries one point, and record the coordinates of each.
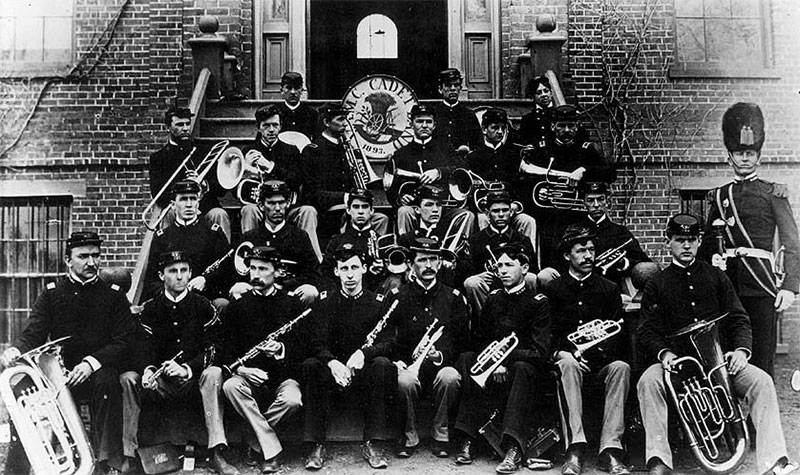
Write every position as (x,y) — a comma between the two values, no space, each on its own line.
(746,214)
(297,116)
(343,364)
(457,124)
(426,305)
(518,309)
(686,292)
(168,158)
(578,298)
(534,127)
(97,317)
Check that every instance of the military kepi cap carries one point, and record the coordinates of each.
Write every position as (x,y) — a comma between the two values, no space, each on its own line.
(494,116)
(273,187)
(449,75)
(422,109)
(514,250)
(345,251)
(292,79)
(743,127)
(173,257)
(184,186)
(83,238)
(423,244)
(262,253)
(332,109)
(429,192)
(592,187)
(683,224)
(575,233)
(360,194)
(500,196)
(564,112)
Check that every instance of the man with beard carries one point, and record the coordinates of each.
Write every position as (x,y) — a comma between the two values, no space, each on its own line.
(342,365)
(302,276)
(534,127)
(274,159)
(166,160)
(97,317)
(518,309)
(188,233)
(297,116)
(746,214)
(689,291)
(565,161)
(457,124)
(578,298)
(272,374)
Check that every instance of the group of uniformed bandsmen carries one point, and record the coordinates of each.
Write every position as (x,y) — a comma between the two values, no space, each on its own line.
(295,326)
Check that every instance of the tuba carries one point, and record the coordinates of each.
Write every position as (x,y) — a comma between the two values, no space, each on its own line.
(491,357)
(44,413)
(701,390)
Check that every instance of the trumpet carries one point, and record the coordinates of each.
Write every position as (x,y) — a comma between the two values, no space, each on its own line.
(491,264)
(150,383)
(492,357)
(591,334)
(390,172)
(425,345)
(254,351)
(373,335)
(610,257)
(556,193)
(202,171)
(362,171)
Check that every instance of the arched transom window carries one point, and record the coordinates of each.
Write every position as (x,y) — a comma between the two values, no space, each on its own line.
(376,38)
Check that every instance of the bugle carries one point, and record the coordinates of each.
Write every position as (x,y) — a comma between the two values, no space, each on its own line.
(44,414)
(468,187)
(492,357)
(610,257)
(491,264)
(425,345)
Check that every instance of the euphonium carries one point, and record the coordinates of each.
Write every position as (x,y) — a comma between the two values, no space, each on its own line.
(44,413)
(701,390)
(611,256)
(491,357)
(556,192)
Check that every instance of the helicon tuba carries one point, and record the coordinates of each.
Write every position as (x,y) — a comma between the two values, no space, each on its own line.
(701,390)
(44,414)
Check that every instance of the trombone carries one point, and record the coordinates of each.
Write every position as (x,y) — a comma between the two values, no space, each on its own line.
(202,171)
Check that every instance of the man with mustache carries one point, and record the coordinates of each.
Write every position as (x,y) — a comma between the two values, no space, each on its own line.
(577,298)
(457,124)
(297,116)
(166,160)
(97,316)
(746,214)
(270,379)
(514,308)
(686,292)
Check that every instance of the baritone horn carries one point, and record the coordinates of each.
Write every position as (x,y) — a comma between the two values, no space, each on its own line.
(492,357)
(556,192)
(44,414)
(230,168)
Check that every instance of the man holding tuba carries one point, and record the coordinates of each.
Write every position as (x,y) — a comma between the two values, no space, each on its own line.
(686,292)
(513,309)
(578,298)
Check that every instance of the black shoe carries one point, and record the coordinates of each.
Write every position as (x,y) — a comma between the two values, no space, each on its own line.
(573,465)
(466,454)
(220,465)
(440,449)
(131,466)
(657,467)
(316,458)
(511,462)
(611,461)
(270,466)
(252,457)
(404,452)
(373,456)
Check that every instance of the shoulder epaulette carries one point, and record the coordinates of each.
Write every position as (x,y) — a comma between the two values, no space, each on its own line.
(312,145)
(115,287)
(147,328)
(51,286)
(323,295)
(781,190)
(494,291)
(160,232)
(379,297)
(540,296)
(215,227)
(395,290)
(290,293)
(586,145)
(456,292)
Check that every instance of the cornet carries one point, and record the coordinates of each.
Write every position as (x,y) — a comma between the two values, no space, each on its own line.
(493,356)
(425,345)
(591,334)
(610,257)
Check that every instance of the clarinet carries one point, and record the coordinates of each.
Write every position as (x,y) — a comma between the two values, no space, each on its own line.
(254,351)
(215,265)
(381,324)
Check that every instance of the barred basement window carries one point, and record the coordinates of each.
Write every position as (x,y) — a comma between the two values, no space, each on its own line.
(33,232)
(36,37)
(695,202)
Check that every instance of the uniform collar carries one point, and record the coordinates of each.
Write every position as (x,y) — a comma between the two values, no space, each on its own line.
(494,147)
(428,288)
(751,177)
(347,296)
(181,223)
(451,106)
(178,298)
(291,107)
(579,279)
(77,281)
(329,138)
(427,231)
(517,289)
(602,218)
(491,230)
(276,229)
(267,144)
(268,293)
(422,142)
(681,266)
(365,229)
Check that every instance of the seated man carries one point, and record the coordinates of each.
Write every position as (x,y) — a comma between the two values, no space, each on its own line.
(204,244)
(343,365)
(171,354)
(686,292)
(426,307)
(484,278)
(458,126)
(302,276)
(274,159)
(518,309)
(270,377)
(577,298)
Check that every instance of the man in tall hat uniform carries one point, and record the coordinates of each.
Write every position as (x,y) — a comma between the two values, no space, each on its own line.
(565,161)
(300,264)
(578,298)
(270,378)
(745,215)
(689,291)
(426,307)
(457,124)
(97,317)
(518,309)
(168,158)
(497,160)
(297,115)
(534,127)
(269,158)
(428,157)
(204,243)
(343,360)
(171,354)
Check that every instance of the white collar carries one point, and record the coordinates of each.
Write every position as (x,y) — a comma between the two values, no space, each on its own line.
(749,177)
(419,282)
(450,105)
(357,295)
(181,222)
(516,289)
(330,138)
(177,299)
(290,107)
(267,144)
(682,266)
(276,229)
(602,218)
(427,229)
(422,142)
(579,279)
(77,280)
(494,147)
(269,292)
(366,227)
(494,229)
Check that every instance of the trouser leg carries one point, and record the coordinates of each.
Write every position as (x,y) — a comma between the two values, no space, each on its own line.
(213,405)
(446,385)
(758,391)
(408,389)
(380,376)
(472,405)
(570,400)
(450,215)
(251,217)
(239,392)
(219,217)
(315,377)
(406,220)
(522,377)
(616,379)
(306,218)
(653,404)
(288,400)
(380,223)
(525,225)
(106,411)
(764,322)
(476,288)
(131,409)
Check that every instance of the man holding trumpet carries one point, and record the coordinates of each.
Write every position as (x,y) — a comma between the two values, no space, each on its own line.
(512,367)
(342,360)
